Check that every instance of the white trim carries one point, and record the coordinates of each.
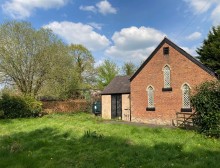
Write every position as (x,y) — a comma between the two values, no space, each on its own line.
(166,65)
(149,86)
(185,83)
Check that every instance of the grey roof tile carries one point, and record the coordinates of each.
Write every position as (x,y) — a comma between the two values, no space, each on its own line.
(119,85)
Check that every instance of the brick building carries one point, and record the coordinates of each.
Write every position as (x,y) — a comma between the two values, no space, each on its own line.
(161,86)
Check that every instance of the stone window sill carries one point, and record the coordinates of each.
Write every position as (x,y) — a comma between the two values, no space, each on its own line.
(186,109)
(167,89)
(150,109)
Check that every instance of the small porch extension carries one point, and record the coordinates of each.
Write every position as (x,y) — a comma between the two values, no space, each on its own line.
(116,99)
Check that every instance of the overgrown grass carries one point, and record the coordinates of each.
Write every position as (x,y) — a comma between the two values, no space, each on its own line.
(82,140)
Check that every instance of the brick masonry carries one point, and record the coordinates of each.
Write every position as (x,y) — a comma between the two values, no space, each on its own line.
(65,106)
(167,103)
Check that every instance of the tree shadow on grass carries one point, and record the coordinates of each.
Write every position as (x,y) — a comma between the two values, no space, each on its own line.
(48,147)
(5,121)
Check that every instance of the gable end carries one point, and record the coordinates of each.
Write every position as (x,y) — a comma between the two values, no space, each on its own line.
(180,50)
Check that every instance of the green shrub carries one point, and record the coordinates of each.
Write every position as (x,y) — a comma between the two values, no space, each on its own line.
(206,102)
(19,106)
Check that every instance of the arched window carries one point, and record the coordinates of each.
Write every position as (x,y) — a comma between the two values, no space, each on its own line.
(185,96)
(150,94)
(166,74)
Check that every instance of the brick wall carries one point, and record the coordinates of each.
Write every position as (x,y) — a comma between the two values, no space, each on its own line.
(66,106)
(169,102)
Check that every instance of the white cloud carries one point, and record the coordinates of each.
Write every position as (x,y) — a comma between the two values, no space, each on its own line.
(191,51)
(99,62)
(96,25)
(194,36)
(134,44)
(88,8)
(202,6)
(78,33)
(20,9)
(103,7)
(216,15)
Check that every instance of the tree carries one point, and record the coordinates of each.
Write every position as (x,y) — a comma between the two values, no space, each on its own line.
(129,68)
(29,57)
(63,86)
(206,103)
(209,52)
(83,62)
(106,72)
(79,75)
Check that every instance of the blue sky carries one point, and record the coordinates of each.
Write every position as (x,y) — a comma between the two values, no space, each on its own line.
(120,30)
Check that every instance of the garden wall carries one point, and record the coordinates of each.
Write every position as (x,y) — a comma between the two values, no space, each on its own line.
(66,106)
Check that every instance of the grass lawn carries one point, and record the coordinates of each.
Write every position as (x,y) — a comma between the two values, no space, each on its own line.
(82,140)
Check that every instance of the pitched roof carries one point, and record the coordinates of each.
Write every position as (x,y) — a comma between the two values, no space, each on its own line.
(184,53)
(119,85)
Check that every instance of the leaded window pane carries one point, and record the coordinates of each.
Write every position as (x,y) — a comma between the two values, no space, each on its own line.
(150,96)
(166,72)
(186,96)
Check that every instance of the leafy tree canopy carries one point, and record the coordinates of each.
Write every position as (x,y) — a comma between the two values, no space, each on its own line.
(209,52)
(30,57)
(79,75)
(106,72)
(83,62)
(129,68)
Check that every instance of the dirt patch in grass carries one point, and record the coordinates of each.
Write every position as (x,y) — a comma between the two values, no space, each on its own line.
(138,124)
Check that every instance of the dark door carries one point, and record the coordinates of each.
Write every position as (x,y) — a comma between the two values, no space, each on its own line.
(116,104)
